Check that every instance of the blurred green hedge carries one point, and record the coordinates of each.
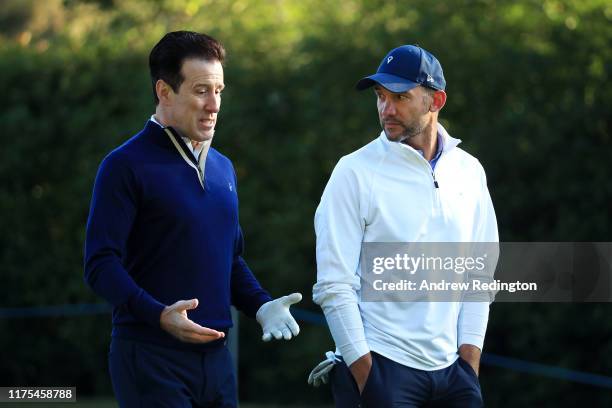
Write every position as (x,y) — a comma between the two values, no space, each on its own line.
(528,93)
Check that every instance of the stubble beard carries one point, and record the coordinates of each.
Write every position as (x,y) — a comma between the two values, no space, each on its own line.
(408,132)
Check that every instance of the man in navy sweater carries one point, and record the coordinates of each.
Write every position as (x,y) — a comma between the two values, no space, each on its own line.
(164,243)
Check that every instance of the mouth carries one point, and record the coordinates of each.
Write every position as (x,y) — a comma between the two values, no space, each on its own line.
(207,123)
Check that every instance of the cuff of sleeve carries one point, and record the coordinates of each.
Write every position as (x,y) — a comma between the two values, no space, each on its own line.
(473,339)
(146,308)
(352,352)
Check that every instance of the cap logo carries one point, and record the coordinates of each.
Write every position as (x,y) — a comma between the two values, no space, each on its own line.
(389,59)
(429,78)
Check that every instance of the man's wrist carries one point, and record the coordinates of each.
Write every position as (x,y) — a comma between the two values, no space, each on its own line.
(471,354)
(354,351)
(469,351)
(362,362)
(146,308)
(360,370)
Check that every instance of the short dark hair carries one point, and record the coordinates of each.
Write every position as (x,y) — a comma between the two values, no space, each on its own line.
(168,55)
(429,90)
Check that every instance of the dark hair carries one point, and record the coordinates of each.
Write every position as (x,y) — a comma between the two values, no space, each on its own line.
(168,55)
(429,90)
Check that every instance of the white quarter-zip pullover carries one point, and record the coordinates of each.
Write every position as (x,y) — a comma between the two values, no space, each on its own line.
(387,192)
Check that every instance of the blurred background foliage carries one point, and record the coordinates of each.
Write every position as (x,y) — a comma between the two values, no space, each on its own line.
(529,92)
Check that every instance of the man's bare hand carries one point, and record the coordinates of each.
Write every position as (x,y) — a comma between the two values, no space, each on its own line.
(471,354)
(360,370)
(174,320)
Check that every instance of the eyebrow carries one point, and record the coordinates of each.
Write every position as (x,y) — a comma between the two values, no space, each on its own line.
(208,85)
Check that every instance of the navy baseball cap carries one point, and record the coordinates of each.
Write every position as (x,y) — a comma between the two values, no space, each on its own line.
(405,67)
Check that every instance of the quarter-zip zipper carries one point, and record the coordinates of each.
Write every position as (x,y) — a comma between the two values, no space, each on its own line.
(437,207)
(432,172)
(437,204)
(200,171)
(433,175)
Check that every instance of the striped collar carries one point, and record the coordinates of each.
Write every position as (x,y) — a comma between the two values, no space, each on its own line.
(194,151)
(185,149)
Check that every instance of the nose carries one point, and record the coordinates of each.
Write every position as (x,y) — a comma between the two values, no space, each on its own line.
(213,104)
(387,108)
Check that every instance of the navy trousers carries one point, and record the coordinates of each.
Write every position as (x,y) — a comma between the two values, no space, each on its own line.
(147,375)
(391,384)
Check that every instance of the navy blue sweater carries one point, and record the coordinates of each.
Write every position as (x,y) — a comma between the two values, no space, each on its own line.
(156,235)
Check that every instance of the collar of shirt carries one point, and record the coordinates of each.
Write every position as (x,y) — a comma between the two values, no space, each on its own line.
(194,150)
(439,147)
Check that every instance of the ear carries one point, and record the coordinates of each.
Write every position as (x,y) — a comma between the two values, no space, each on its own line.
(164,91)
(439,99)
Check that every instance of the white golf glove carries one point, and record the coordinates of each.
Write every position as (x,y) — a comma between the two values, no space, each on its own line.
(276,320)
(320,374)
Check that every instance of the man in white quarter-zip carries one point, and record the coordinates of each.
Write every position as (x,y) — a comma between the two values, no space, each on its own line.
(411,184)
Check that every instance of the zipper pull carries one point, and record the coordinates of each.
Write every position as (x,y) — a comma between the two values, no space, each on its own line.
(434,180)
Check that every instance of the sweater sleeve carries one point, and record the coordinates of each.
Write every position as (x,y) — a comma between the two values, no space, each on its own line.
(246,292)
(474,315)
(339,228)
(111,216)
